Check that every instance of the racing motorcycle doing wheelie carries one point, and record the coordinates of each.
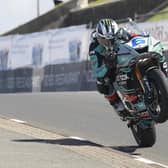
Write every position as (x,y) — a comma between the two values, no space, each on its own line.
(141,83)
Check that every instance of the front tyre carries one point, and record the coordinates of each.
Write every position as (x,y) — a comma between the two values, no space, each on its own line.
(158,107)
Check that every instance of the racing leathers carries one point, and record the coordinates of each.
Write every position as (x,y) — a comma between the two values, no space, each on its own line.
(105,75)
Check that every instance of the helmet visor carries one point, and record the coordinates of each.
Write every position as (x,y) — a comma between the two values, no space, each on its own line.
(108,43)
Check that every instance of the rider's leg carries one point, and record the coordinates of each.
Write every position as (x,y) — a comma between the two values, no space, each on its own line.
(115,100)
(111,95)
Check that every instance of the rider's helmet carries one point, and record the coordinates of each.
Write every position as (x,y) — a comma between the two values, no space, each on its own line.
(105,32)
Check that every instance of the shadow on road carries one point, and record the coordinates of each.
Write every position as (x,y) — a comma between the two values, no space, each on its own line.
(66,141)
(75,142)
(127,149)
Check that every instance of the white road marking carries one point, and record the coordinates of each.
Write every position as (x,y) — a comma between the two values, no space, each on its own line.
(18,121)
(162,165)
(149,161)
(141,159)
(144,160)
(77,138)
(138,158)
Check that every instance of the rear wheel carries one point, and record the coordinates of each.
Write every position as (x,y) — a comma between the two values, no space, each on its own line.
(145,137)
(158,106)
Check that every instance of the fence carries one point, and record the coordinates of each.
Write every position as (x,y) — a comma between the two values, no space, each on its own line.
(62,77)
(55,60)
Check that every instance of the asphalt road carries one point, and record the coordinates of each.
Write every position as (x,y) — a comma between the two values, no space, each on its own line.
(81,114)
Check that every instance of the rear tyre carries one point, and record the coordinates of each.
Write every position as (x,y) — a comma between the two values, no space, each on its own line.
(158,108)
(144,137)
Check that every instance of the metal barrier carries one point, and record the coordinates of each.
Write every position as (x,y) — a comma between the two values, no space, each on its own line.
(61,77)
(51,78)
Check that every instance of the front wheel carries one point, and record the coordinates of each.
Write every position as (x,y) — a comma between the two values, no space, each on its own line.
(145,137)
(158,108)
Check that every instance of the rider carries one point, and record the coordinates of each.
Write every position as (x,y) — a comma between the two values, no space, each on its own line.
(99,50)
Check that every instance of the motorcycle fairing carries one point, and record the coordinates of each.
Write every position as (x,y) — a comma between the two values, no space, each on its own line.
(138,42)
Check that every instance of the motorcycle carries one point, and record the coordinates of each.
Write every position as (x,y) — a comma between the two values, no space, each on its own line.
(141,83)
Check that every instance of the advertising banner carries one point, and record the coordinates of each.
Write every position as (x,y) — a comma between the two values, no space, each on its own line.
(158,30)
(39,48)
(68,77)
(55,46)
(28,50)
(5,47)
(20,54)
(68,45)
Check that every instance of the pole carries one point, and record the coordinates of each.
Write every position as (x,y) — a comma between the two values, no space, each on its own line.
(38,8)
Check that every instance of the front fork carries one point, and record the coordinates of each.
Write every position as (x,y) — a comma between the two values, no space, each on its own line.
(144,123)
(139,77)
(147,91)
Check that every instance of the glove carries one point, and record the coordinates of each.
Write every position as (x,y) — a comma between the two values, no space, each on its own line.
(123,35)
(110,61)
(103,85)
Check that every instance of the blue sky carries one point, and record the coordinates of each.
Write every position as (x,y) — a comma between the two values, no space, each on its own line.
(17,12)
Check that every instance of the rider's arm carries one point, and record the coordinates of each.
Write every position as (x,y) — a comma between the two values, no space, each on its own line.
(99,68)
(97,61)
(123,34)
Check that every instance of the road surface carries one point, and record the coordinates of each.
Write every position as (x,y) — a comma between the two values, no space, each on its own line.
(81,114)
